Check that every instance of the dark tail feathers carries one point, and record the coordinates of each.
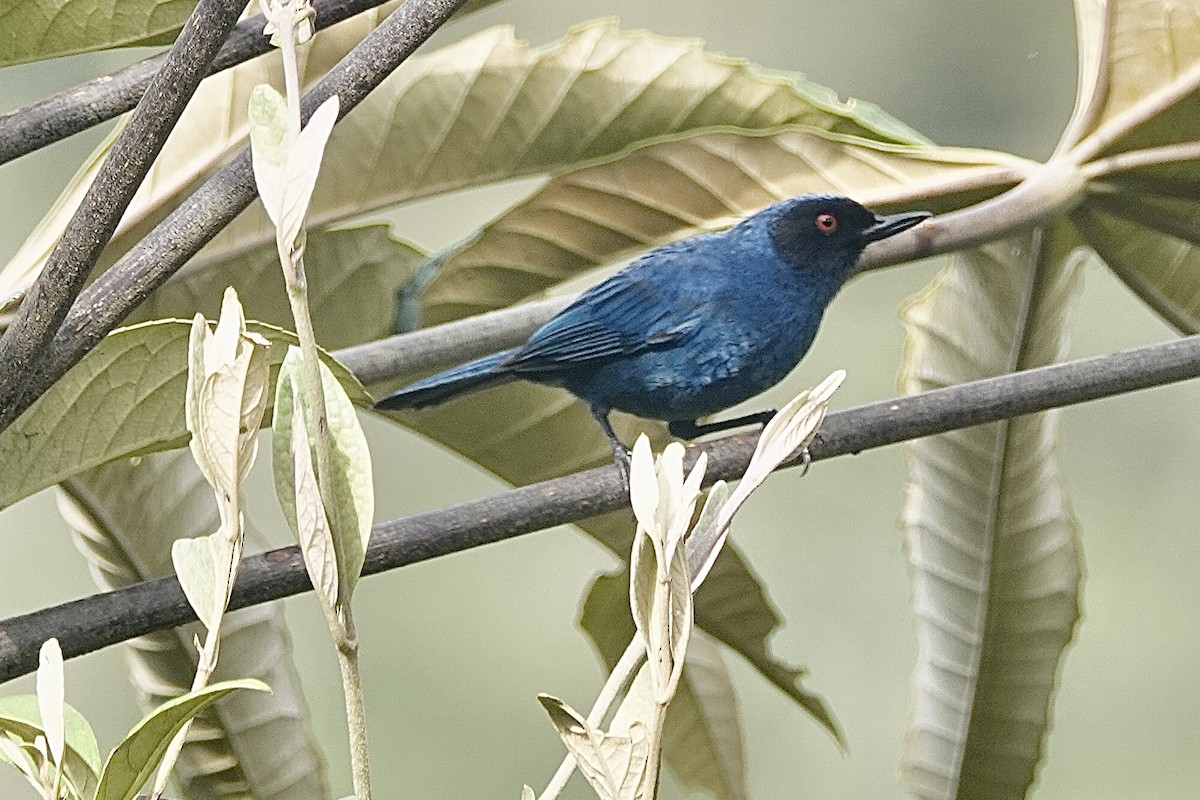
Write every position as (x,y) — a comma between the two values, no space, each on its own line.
(442,386)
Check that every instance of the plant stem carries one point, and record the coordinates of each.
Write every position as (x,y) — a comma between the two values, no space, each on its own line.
(340,619)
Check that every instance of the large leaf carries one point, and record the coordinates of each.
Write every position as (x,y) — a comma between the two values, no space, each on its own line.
(131,763)
(123,516)
(21,717)
(1136,133)
(995,563)
(353,275)
(38,29)
(124,398)
(703,736)
(484,109)
(1139,75)
(663,191)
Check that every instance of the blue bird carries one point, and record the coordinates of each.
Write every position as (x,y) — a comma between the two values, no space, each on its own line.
(691,328)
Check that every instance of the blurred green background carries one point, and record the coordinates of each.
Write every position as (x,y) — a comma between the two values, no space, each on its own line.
(455,650)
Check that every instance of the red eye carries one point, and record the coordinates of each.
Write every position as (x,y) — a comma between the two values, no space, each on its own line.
(826,223)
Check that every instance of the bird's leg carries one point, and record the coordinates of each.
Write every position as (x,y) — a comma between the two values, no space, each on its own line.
(620,452)
(690,429)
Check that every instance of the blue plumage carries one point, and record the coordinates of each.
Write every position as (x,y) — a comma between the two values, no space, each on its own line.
(691,328)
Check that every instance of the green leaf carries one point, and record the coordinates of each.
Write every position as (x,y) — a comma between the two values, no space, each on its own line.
(20,716)
(353,275)
(125,398)
(205,567)
(993,546)
(41,29)
(51,694)
(485,109)
(286,175)
(123,517)
(688,184)
(615,764)
(1134,134)
(349,492)
(312,523)
(702,736)
(1139,85)
(134,760)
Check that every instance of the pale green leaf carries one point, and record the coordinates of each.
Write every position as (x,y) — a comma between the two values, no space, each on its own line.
(40,29)
(702,735)
(205,567)
(123,516)
(268,116)
(1139,78)
(21,717)
(353,275)
(527,793)
(1153,245)
(312,526)
(616,765)
(134,760)
(1134,133)
(125,398)
(484,109)
(995,564)
(51,694)
(349,491)
(689,184)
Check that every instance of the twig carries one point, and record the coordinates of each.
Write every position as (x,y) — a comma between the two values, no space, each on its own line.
(65,114)
(89,230)
(108,618)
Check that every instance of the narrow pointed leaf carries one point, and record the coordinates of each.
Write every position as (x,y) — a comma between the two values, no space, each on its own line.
(134,760)
(125,398)
(349,492)
(20,717)
(51,694)
(254,744)
(703,738)
(312,526)
(987,526)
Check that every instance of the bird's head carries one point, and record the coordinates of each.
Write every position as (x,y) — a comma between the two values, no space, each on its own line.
(828,232)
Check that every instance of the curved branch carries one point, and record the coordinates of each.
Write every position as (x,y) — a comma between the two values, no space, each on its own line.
(65,114)
(74,255)
(103,619)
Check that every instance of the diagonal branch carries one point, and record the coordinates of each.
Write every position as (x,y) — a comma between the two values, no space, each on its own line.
(103,305)
(103,619)
(65,114)
(89,230)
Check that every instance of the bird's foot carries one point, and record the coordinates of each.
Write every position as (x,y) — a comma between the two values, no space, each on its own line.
(623,460)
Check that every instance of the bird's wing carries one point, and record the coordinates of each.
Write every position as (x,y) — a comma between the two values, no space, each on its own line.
(623,315)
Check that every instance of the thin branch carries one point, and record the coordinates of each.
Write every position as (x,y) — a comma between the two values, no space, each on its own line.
(65,114)
(89,230)
(103,619)
(103,305)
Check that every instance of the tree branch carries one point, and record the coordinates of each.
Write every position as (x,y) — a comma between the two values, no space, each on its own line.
(103,619)
(103,305)
(89,230)
(65,114)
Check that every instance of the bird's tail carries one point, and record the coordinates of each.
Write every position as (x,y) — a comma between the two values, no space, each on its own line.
(443,385)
